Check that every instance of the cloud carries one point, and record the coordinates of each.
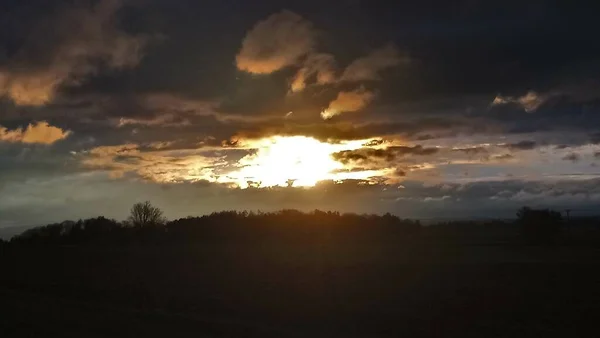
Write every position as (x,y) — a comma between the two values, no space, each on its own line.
(151,162)
(167,120)
(577,192)
(367,68)
(38,132)
(65,48)
(320,66)
(344,130)
(348,101)
(530,101)
(286,39)
(471,150)
(522,145)
(503,157)
(254,163)
(436,199)
(573,157)
(388,154)
(277,42)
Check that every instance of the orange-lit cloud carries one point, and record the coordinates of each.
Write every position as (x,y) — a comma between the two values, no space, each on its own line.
(82,40)
(319,66)
(151,163)
(368,68)
(35,89)
(277,42)
(296,161)
(39,132)
(348,101)
(285,39)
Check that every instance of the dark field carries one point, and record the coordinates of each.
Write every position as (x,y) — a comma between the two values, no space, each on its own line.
(462,281)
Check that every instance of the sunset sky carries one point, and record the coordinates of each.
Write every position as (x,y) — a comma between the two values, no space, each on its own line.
(430,109)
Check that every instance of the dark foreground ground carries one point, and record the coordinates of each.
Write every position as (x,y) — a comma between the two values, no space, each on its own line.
(423,286)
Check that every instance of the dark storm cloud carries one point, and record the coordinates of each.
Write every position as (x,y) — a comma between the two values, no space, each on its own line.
(438,69)
(451,74)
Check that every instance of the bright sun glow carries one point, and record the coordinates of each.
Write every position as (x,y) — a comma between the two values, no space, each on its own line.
(296,161)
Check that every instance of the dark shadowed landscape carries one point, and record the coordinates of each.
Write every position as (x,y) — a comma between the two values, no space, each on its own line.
(294,274)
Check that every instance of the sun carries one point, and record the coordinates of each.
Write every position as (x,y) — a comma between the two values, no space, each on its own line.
(296,161)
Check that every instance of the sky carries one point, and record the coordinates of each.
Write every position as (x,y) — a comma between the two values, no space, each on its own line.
(425,109)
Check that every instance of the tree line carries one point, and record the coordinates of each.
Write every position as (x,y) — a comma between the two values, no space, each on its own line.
(146,224)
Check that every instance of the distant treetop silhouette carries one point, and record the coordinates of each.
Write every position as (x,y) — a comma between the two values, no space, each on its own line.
(144,214)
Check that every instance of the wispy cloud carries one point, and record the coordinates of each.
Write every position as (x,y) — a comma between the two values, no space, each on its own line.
(320,66)
(348,101)
(368,68)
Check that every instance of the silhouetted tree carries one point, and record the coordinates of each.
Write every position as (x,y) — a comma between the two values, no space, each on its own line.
(539,226)
(145,214)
